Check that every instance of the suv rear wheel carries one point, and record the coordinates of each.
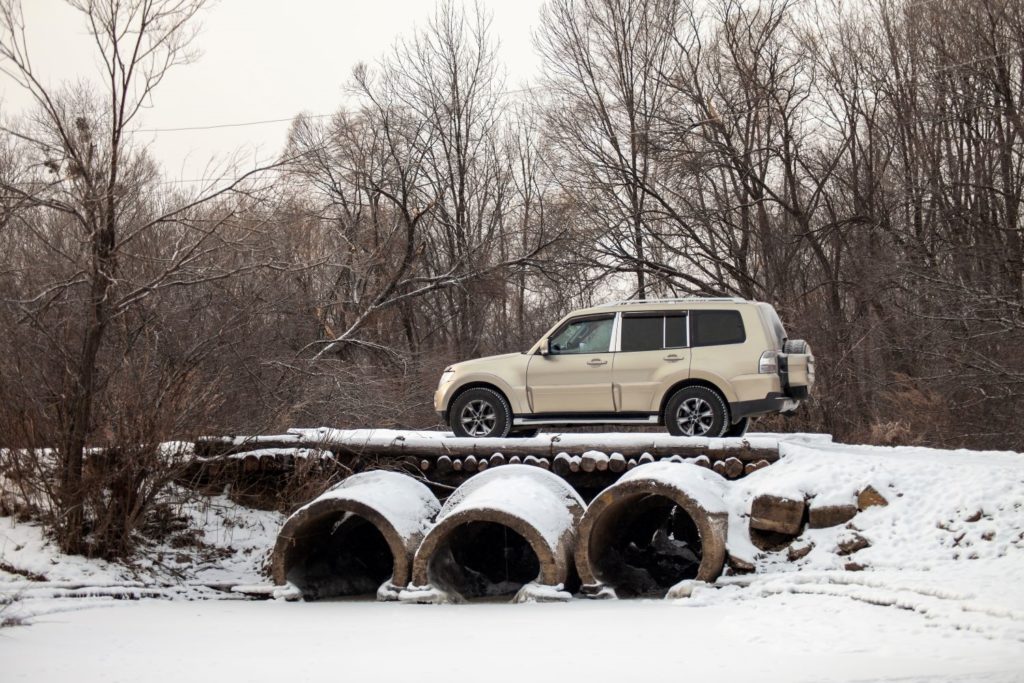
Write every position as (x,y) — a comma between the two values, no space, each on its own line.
(479,413)
(696,411)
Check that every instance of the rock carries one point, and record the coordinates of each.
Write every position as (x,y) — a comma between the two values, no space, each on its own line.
(778,514)
(823,516)
(976,517)
(851,544)
(869,498)
(738,565)
(798,552)
(853,567)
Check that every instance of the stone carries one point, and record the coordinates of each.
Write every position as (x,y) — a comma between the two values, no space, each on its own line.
(853,567)
(798,552)
(778,514)
(738,565)
(869,498)
(852,543)
(823,516)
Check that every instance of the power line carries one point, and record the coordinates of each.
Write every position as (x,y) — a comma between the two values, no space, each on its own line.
(240,124)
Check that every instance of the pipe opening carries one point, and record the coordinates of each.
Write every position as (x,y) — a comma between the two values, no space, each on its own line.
(645,544)
(483,560)
(344,555)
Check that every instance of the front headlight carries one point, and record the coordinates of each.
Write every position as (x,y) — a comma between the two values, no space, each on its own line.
(446,377)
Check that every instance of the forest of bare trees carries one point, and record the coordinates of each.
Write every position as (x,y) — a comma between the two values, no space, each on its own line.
(858,165)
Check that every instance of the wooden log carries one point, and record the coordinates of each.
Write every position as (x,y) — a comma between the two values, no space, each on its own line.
(544,463)
(702,461)
(733,468)
(457,464)
(617,462)
(574,463)
(588,463)
(444,465)
(645,458)
(719,467)
(750,468)
(515,460)
(560,465)
(531,460)
(469,463)
(424,465)
(631,463)
(482,464)
(497,459)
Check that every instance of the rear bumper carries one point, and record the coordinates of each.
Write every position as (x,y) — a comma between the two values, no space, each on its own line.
(772,403)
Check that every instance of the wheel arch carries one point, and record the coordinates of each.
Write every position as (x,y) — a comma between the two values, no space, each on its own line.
(478,384)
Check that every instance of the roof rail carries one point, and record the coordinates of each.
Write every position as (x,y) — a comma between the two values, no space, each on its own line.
(678,300)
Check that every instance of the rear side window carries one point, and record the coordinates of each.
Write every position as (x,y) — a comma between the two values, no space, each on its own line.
(653,332)
(643,333)
(711,328)
(675,331)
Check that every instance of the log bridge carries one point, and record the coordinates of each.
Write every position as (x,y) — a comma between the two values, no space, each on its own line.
(588,462)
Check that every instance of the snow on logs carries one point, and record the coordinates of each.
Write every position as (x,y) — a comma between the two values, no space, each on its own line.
(507,531)
(357,538)
(660,524)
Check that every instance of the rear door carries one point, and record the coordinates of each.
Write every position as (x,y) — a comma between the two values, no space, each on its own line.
(576,376)
(653,352)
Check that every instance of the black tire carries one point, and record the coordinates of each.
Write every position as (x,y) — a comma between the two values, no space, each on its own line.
(696,411)
(738,429)
(523,433)
(480,413)
(796,346)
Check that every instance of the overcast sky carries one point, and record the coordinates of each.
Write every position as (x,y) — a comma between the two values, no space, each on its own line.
(260,59)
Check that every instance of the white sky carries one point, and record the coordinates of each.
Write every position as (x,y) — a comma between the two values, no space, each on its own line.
(260,59)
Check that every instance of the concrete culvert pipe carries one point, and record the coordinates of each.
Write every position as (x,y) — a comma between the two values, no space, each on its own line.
(509,531)
(358,538)
(658,525)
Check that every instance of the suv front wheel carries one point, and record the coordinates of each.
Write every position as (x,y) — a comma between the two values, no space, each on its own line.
(480,413)
(696,411)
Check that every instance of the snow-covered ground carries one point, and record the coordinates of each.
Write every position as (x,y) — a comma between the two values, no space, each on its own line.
(938,595)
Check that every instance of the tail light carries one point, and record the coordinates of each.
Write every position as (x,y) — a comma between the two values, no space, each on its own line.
(769,363)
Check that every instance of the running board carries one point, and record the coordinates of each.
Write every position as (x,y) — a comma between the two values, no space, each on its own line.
(524,421)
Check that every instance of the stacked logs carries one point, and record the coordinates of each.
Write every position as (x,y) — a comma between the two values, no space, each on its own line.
(588,462)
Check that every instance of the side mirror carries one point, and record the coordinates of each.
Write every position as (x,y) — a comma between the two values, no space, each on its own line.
(545,347)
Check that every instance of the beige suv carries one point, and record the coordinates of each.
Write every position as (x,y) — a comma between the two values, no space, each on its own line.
(701,367)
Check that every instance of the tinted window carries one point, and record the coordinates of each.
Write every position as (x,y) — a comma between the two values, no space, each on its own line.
(591,335)
(675,331)
(717,327)
(642,333)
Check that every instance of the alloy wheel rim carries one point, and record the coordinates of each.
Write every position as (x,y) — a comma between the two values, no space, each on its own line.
(478,418)
(695,417)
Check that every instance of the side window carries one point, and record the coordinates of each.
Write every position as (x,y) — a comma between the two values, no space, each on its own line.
(711,328)
(642,333)
(675,331)
(589,335)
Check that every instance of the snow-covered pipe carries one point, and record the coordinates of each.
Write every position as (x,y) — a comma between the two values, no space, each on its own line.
(661,523)
(356,538)
(508,530)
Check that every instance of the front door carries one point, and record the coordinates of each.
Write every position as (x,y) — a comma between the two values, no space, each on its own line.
(576,376)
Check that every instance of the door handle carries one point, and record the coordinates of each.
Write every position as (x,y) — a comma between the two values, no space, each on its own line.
(672,358)
(596,362)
